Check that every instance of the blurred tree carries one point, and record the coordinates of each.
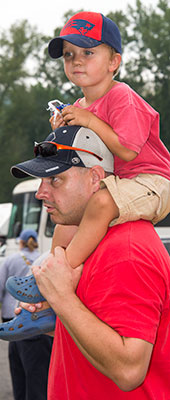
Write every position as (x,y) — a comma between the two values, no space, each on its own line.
(29,78)
(51,71)
(18,47)
(23,101)
(146,60)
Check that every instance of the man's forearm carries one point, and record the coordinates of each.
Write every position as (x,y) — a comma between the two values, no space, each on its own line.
(125,361)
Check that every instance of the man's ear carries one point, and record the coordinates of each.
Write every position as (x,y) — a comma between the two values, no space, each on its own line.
(97,173)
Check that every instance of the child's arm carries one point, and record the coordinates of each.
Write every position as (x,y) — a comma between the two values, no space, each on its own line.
(75,116)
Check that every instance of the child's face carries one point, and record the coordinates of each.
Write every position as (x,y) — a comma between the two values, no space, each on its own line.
(89,67)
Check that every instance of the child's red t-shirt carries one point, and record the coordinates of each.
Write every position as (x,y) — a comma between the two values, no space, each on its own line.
(137,125)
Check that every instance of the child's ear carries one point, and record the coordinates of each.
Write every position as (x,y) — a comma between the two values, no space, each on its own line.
(115,62)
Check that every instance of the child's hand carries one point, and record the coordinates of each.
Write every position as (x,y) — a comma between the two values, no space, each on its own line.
(56,121)
(73,115)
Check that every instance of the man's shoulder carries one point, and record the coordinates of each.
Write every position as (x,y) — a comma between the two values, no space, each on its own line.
(133,237)
(137,227)
(134,245)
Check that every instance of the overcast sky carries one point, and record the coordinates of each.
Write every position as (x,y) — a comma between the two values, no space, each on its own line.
(47,14)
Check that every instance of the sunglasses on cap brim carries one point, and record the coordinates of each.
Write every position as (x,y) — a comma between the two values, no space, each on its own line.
(47,149)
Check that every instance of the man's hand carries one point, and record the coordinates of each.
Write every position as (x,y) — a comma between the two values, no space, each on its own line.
(31,307)
(56,280)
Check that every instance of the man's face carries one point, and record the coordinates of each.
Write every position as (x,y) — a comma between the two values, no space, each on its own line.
(65,195)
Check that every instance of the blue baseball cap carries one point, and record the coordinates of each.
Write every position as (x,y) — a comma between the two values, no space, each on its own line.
(68,146)
(27,233)
(87,29)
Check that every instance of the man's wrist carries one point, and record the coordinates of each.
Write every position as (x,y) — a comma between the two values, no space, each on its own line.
(63,305)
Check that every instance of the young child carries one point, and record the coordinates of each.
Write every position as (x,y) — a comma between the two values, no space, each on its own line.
(140,187)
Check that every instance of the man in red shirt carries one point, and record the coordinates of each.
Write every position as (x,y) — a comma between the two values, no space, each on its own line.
(112,338)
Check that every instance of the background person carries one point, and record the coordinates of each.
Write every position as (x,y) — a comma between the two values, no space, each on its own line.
(17,264)
(28,359)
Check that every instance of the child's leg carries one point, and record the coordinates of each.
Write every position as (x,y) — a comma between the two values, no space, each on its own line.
(100,211)
(62,236)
